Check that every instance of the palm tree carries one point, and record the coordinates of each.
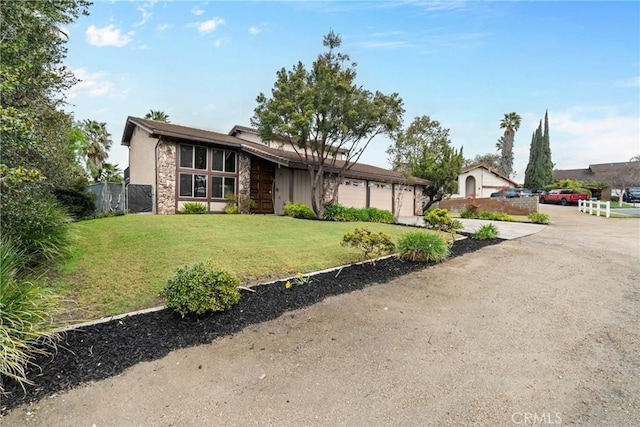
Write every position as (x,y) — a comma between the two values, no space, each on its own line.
(510,124)
(159,116)
(110,173)
(98,143)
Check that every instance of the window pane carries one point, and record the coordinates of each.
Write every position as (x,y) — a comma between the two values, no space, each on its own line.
(229,161)
(185,185)
(218,160)
(200,186)
(201,158)
(186,156)
(216,187)
(229,186)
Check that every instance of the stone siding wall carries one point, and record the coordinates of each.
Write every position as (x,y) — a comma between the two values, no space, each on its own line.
(515,206)
(166,178)
(244,173)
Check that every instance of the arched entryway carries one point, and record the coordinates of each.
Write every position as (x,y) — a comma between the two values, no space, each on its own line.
(470,187)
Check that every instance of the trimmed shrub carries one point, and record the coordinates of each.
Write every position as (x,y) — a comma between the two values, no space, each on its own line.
(440,220)
(238,203)
(200,288)
(471,211)
(379,215)
(539,218)
(615,198)
(423,246)
(495,216)
(191,208)
(298,210)
(486,232)
(27,313)
(372,245)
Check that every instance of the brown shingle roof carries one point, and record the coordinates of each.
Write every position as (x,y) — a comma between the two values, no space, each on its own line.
(282,157)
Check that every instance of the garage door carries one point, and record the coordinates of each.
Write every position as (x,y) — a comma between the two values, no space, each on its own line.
(380,196)
(352,193)
(404,200)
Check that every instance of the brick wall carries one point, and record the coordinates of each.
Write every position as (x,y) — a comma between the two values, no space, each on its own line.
(515,206)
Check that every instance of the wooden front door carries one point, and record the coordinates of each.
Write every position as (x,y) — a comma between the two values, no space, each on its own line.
(261,188)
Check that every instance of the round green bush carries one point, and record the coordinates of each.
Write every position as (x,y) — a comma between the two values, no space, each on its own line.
(422,246)
(200,288)
(298,210)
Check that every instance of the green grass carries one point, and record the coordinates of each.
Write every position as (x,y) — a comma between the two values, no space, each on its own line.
(121,263)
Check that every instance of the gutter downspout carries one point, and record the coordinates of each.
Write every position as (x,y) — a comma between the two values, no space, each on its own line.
(155,173)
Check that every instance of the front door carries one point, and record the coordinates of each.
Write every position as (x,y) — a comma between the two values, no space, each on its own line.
(261,187)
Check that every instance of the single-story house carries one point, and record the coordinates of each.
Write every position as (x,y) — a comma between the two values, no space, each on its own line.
(184,164)
(480,181)
(600,172)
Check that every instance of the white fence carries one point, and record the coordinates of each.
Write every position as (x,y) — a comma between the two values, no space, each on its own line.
(583,205)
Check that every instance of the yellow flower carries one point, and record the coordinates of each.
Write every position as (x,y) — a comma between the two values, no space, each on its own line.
(299,275)
(287,285)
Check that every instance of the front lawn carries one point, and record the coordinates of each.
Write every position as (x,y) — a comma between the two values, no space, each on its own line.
(121,263)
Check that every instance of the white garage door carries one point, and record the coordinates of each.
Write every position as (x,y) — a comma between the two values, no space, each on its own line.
(352,193)
(381,196)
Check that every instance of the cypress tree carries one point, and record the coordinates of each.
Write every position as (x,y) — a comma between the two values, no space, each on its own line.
(539,170)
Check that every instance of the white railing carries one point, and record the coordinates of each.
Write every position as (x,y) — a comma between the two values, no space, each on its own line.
(583,205)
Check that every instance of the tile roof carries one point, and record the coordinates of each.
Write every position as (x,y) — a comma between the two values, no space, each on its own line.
(493,171)
(285,158)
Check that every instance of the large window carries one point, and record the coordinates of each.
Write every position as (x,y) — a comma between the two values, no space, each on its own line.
(221,177)
(193,157)
(193,185)
(223,161)
(221,186)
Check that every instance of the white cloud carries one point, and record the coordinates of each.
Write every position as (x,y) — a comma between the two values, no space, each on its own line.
(220,42)
(107,36)
(210,107)
(577,141)
(162,27)
(197,11)
(145,9)
(209,26)
(92,84)
(632,82)
(254,30)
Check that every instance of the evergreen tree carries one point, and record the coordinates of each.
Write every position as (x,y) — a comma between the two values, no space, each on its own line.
(539,170)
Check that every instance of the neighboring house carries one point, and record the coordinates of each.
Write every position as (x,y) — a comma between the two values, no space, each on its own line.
(480,181)
(601,172)
(184,164)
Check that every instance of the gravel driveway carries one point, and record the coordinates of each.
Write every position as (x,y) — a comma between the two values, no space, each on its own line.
(539,330)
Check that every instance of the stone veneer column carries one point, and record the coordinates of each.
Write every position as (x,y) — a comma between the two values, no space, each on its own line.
(166,178)
(244,173)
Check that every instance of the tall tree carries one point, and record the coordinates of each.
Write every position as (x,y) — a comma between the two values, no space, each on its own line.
(328,119)
(98,142)
(539,172)
(424,150)
(33,128)
(159,116)
(491,160)
(510,123)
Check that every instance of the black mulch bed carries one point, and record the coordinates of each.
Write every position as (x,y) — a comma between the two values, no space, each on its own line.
(103,350)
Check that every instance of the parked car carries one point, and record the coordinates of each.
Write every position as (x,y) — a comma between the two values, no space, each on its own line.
(511,193)
(563,196)
(631,195)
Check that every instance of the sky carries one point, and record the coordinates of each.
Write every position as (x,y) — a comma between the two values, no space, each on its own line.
(463,63)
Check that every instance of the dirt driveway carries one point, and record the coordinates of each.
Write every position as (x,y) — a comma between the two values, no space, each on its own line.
(541,330)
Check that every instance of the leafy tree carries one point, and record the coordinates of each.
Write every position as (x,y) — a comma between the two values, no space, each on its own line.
(159,116)
(510,123)
(35,154)
(424,151)
(110,173)
(490,159)
(328,119)
(539,171)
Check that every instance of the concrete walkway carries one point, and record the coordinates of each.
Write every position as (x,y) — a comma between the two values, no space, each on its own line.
(507,230)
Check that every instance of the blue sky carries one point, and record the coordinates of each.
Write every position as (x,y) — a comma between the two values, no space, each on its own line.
(463,63)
